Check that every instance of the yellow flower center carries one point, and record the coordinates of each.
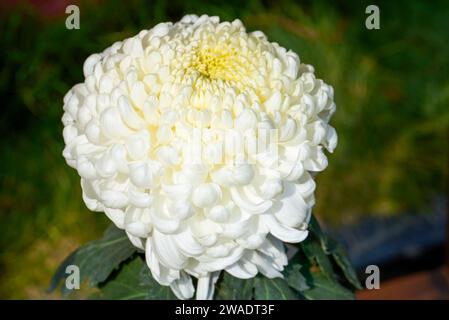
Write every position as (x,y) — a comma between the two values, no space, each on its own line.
(217,63)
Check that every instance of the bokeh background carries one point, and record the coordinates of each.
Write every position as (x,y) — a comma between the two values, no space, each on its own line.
(390,169)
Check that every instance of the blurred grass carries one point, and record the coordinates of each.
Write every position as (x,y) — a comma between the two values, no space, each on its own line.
(392,94)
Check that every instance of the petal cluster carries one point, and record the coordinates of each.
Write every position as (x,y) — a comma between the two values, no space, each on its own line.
(166,130)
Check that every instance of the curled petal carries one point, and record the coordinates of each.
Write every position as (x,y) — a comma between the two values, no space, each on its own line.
(243,269)
(187,244)
(284,233)
(164,224)
(117,216)
(265,266)
(167,251)
(183,287)
(247,204)
(136,241)
(293,210)
(90,196)
(161,274)
(206,286)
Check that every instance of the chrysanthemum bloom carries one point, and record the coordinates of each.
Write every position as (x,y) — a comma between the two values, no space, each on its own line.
(130,131)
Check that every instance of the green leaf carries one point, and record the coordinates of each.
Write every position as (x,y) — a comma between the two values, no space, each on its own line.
(272,289)
(295,278)
(322,288)
(314,226)
(154,290)
(315,253)
(96,259)
(134,282)
(323,238)
(341,258)
(337,251)
(232,288)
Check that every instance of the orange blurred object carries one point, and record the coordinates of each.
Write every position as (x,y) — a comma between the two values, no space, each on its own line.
(426,285)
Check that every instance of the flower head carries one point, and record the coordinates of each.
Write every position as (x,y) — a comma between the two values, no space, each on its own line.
(165,133)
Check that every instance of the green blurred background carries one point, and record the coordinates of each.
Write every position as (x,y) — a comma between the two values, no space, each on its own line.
(391,87)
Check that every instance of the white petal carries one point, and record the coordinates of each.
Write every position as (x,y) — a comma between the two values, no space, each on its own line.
(331,139)
(139,199)
(187,244)
(206,195)
(117,216)
(112,125)
(206,286)
(222,263)
(136,241)
(246,204)
(167,251)
(138,94)
(292,209)
(137,146)
(128,114)
(160,273)
(90,196)
(265,266)
(284,233)
(162,222)
(218,214)
(145,174)
(168,155)
(274,248)
(136,222)
(183,287)
(274,102)
(114,199)
(316,160)
(90,63)
(86,169)
(160,29)
(236,229)
(242,269)
(293,66)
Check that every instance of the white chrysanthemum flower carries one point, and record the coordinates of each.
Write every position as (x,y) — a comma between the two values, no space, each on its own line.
(131,132)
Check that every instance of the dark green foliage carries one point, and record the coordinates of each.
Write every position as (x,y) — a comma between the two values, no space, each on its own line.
(272,289)
(295,278)
(324,289)
(134,282)
(97,259)
(231,288)
(112,265)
